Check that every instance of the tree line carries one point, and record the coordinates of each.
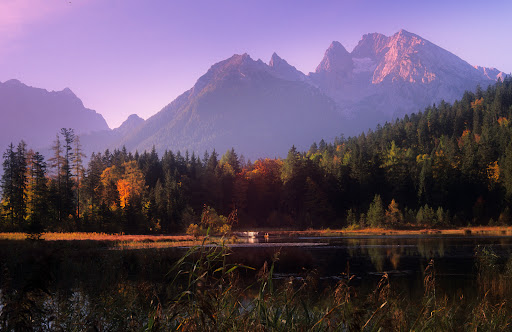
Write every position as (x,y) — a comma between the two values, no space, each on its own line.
(450,165)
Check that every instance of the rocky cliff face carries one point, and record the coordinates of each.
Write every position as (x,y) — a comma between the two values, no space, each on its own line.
(491,73)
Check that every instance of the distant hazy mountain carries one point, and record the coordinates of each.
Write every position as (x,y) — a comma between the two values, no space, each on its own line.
(244,104)
(37,115)
(98,141)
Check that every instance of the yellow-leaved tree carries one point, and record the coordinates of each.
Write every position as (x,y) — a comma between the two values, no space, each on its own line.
(132,184)
(122,185)
(393,214)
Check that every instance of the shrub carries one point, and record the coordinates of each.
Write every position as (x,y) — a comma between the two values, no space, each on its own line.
(194,230)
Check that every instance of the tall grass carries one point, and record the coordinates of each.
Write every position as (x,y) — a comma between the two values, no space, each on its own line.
(214,299)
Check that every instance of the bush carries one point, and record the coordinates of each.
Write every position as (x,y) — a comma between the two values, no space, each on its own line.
(194,230)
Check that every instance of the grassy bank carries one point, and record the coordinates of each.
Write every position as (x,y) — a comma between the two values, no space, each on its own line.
(123,241)
(474,230)
(126,241)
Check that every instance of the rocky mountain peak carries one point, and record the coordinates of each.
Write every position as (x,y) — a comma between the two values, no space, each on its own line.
(336,59)
(405,34)
(276,60)
(237,67)
(371,46)
(282,69)
(408,57)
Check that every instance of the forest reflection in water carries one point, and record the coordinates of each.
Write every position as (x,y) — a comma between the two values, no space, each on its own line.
(72,285)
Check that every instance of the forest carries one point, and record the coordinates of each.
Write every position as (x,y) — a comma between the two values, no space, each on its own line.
(447,166)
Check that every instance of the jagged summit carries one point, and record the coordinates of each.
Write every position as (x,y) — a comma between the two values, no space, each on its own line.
(405,33)
(276,60)
(371,45)
(336,59)
(282,69)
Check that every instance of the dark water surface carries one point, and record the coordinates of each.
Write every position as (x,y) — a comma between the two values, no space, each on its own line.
(403,258)
(73,263)
(76,280)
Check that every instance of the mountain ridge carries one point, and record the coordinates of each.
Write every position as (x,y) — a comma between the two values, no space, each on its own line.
(39,114)
(241,102)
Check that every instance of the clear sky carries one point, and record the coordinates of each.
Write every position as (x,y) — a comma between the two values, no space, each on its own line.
(135,56)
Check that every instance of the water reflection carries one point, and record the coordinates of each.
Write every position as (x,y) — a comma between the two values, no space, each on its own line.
(379,253)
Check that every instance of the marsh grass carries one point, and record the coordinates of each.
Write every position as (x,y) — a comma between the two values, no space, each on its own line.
(120,241)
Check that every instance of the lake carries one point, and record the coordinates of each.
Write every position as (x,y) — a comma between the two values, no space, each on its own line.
(65,283)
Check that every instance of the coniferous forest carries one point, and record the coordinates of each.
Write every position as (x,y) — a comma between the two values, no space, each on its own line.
(450,165)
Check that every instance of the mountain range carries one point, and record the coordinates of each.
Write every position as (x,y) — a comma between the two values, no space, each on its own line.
(263,109)
(36,115)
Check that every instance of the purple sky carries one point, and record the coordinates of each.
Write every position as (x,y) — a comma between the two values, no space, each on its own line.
(135,56)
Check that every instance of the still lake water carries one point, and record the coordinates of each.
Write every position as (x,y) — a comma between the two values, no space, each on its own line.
(68,283)
(403,258)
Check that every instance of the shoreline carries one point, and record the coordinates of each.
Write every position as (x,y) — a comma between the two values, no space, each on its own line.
(180,238)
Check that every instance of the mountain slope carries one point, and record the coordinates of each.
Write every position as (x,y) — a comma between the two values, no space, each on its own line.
(244,104)
(37,115)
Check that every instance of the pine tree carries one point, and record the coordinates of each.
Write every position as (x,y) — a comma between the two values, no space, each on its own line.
(68,200)
(14,184)
(376,212)
(79,173)
(56,164)
(8,192)
(38,192)
(92,183)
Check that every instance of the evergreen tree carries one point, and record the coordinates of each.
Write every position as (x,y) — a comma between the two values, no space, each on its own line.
(79,173)
(14,185)
(8,183)
(38,204)
(375,213)
(20,184)
(56,163)
(67,192)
